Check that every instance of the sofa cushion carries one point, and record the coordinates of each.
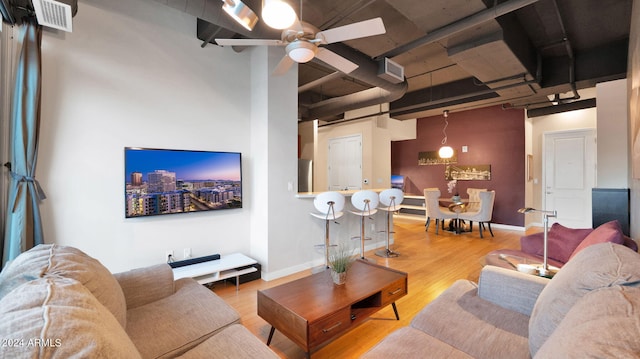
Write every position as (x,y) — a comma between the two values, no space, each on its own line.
(603,324)
(561,242)
(160,330)
(409,342)
(233,342)
(597,266)
(606,232)
(55,317)
(461,319)
(52,260)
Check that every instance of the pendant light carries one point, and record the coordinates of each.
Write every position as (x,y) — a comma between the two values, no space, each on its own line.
(445,151)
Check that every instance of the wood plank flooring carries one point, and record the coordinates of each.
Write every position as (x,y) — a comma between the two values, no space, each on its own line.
(433,262)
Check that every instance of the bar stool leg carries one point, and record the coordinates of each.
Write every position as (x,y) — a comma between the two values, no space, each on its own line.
(362,238)
(326,244)
(387,252)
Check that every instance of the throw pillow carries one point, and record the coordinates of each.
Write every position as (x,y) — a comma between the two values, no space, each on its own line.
(598,326)
(55,317)
(606,232)
(597,266)
(48,260)
(561,241)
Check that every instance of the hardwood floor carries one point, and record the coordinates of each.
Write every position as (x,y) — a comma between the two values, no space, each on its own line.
(433,262)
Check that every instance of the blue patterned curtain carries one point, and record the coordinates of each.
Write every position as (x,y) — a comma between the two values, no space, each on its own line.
(24,225)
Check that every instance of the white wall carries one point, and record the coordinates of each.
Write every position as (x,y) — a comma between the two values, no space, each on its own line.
(613,149)
(579,119)
(133,74)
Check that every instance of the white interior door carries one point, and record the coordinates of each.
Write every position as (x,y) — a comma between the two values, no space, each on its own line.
(345,163)
(569,173)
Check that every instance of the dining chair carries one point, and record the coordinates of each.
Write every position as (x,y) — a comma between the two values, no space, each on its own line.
(474,198)
(434,210)
(483,214)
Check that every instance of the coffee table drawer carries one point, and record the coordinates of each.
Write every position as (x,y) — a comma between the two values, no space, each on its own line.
(394,291)
(329,327)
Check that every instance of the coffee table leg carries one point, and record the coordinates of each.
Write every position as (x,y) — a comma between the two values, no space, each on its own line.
(273,329)
(395,310)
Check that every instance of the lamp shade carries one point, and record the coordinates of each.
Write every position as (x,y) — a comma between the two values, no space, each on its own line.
(278,14)
(445,152)
(301,51)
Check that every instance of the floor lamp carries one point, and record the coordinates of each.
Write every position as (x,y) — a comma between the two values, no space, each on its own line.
(544,271)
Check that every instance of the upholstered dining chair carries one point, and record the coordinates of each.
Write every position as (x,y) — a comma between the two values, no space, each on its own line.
(434,210)
(474,198)
(483,214)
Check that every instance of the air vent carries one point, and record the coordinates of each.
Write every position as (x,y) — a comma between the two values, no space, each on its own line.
(53,14)
(391,71)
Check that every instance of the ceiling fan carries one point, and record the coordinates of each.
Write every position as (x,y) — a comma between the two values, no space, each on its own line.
(302,43)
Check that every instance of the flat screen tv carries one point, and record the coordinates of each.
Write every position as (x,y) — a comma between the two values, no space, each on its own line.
(397,181)
(163,181)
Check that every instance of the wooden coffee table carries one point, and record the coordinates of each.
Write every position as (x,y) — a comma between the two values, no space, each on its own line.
(312,310)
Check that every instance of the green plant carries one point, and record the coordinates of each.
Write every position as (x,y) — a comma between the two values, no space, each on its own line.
(341,258)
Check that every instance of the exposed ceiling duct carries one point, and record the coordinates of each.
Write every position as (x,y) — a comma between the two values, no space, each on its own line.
(383,91)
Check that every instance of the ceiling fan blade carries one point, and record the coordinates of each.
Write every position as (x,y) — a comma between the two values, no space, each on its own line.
(248,42)
(352,31)
(335,60)
(283,66)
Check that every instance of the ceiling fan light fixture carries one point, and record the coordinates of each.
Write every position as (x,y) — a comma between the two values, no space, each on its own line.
(241,13)
(278,14)
(301,51)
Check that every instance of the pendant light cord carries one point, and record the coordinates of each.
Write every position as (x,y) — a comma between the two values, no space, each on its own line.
(445,113)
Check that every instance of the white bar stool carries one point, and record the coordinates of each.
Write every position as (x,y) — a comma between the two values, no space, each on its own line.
(391,199)
(366,203)
(329,206)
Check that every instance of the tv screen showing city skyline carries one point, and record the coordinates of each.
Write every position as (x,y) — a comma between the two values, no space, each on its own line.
(165,181)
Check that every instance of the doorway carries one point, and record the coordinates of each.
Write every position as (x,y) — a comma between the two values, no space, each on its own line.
(569,173)
(344,170)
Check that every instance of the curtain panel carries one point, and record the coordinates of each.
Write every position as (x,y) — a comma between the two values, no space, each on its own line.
(23,222)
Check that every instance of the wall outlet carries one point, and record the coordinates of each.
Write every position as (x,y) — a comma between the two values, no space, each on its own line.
(168,255)
(187,253)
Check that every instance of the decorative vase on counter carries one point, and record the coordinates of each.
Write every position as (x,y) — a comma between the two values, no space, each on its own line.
(338,278)
(455,198)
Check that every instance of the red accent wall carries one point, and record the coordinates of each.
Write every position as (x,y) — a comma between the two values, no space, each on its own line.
(494,136)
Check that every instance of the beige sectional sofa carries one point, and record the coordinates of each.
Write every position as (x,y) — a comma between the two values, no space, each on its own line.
(590,309)
(57,302)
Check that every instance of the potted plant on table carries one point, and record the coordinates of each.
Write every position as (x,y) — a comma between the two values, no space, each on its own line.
(451,186)
(340,260)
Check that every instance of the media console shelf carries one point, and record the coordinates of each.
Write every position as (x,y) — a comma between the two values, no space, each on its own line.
(228,266)
(413,206)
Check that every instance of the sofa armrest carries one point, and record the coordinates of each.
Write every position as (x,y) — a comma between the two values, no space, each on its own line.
(146,285)
(510,289)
